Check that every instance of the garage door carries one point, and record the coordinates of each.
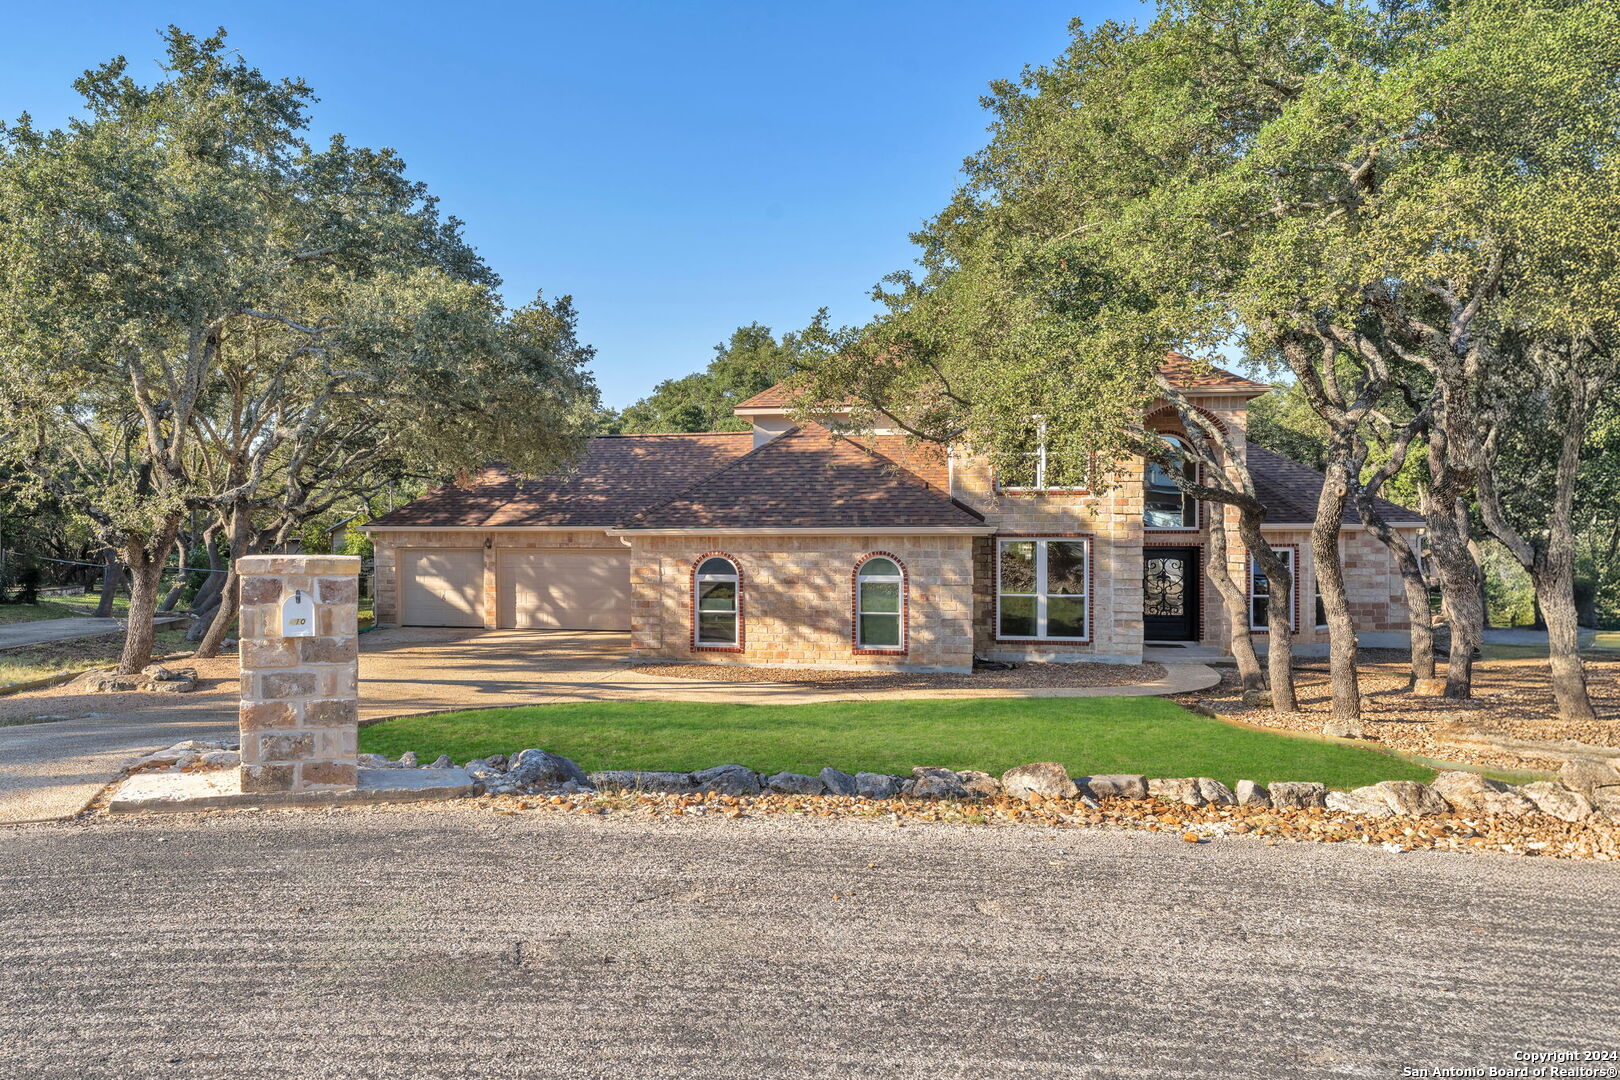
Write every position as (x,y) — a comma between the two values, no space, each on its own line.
(563,590)
(442,588)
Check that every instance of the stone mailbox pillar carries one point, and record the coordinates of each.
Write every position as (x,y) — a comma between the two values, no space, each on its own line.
(300,698)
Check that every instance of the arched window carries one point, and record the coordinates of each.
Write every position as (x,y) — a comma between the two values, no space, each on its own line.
(715,593)
(1163,504)
(880,591)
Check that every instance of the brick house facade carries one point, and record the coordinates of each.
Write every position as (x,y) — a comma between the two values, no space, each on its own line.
(754,548)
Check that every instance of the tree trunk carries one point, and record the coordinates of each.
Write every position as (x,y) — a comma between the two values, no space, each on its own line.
(1233,601)
(207,598)
(1419,618)
(1279,644)
(1342,466)
(1555,586)
(1459,578)
(225,613)
(181,553)
(112,575)
(146,563)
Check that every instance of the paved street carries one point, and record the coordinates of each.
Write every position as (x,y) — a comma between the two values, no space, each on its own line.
(52,770)
(456,942)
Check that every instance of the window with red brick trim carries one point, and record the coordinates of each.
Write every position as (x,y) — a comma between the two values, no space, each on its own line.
(880,605)
(716,604)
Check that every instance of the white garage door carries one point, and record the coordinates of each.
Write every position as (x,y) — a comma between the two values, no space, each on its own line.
(563,590)
(442,588)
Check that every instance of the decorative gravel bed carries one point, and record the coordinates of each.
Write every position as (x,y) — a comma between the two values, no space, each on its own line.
(1512,700)
(1025,676)
(1529,836)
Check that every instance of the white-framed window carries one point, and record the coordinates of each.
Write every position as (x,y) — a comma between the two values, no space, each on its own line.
(880,591)
(715,593)
(1316,589)
(1043,588)
(1041,463)
(1163,504)
(1260,591)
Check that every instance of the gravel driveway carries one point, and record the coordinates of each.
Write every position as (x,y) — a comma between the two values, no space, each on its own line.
(456,942)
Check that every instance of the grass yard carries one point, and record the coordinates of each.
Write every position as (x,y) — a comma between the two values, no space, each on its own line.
(83,654)
(60,607)
(1088,735)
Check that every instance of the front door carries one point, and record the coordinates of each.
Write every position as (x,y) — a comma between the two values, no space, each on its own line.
(1170,594)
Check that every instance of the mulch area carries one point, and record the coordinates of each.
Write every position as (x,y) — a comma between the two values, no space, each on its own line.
(1531,835)
(1023,677)
(1512,701)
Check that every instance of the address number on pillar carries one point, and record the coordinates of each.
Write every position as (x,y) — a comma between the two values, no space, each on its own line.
(297,615)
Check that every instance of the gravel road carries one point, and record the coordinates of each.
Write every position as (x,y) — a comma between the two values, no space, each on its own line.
(454,942)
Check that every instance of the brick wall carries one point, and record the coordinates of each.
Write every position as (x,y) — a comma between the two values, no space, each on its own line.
(299,697)
(796,599)
(1111,521)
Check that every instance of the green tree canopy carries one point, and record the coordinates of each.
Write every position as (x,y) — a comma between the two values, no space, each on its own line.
(751,360)
(199,311)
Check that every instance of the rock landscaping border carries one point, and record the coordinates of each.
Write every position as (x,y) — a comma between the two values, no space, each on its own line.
(1458,811)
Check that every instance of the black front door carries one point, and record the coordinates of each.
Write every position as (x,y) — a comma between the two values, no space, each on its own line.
(1170,594)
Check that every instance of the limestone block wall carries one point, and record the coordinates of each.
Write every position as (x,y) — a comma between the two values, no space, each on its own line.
(387,546)
(1110,520)
(797,598)
(299,699)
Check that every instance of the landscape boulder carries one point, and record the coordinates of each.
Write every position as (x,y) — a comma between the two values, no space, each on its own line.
(792,783)
(541,768)
(1405,797)
(442,762)
(728,780)
(837,781)
(1297,795)
(409,760)
(1257,699)
(928,782)
(1215,793)
(1045,778)
(1114,786)
(979,785)
(1606,802)
(1177,790)
(1587,775)
(1351,803)
(1250,793)
(374,761)
(1465,790)
(664,783)
(1556,800)
(871,785)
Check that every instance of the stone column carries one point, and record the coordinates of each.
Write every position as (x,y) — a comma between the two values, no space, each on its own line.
(300,698)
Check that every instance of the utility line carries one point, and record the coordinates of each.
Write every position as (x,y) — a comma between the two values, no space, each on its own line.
(103,566)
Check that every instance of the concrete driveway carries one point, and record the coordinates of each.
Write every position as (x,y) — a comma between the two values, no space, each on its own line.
(51,770)
(456,942)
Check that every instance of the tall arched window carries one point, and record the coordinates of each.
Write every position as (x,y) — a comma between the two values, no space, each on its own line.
(880,605)
(1163,504)
(716,591)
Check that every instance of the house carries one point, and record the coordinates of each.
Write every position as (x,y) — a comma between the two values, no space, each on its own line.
(795,545)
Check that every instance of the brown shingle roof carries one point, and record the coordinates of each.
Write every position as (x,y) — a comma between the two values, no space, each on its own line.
(1289,491)
(809,478)
(619,475)
(1185,373)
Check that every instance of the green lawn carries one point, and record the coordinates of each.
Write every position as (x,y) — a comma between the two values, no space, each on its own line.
(59,607)
(83,654)
(1088,735)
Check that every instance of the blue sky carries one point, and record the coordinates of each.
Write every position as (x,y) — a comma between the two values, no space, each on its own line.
(681,169)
